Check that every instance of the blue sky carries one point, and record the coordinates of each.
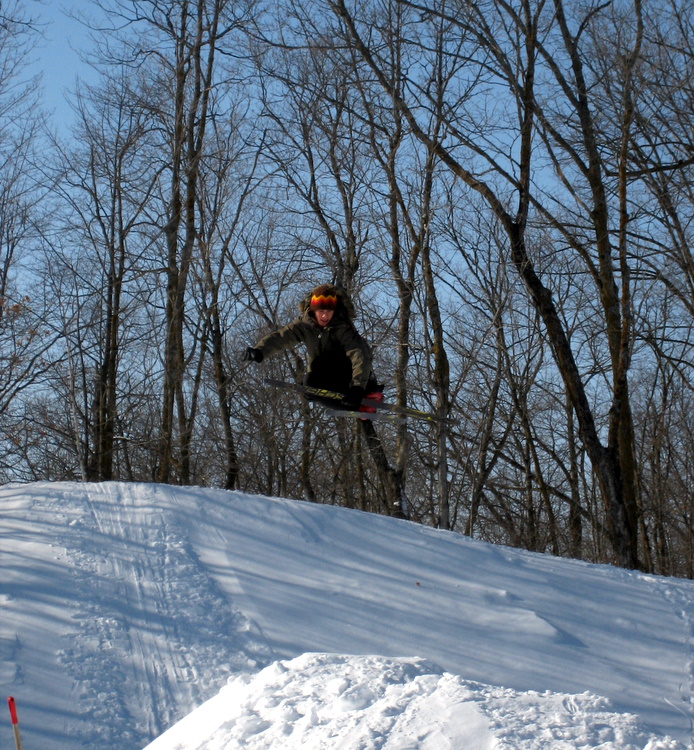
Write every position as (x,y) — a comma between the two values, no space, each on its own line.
(56,56)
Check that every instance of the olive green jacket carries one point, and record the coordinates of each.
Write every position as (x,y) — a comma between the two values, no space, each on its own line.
(340,333)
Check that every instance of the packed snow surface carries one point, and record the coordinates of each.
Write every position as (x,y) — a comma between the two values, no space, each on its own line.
(136,615)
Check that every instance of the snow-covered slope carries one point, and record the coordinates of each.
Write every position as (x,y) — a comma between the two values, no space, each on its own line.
(287,624)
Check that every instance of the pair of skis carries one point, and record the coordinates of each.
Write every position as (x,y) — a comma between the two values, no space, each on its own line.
(385,412)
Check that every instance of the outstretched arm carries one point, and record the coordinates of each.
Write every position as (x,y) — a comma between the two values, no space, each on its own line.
(284,338)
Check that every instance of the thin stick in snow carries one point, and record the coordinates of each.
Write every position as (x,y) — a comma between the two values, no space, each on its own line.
(15,723)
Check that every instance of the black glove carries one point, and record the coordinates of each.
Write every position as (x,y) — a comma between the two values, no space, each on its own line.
(252,355)
(353,397)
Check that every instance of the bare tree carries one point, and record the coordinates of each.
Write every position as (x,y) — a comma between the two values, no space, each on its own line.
(27,335)
(106,186)
(613,462)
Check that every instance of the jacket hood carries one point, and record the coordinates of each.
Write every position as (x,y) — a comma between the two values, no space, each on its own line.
(345,308)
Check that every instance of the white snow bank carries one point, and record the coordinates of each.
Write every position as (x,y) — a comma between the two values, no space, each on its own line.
(350,702)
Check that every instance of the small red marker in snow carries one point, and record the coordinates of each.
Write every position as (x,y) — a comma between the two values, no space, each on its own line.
(13,710)
(15,722)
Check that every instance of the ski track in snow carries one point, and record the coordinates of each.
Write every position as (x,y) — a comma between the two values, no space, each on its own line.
(134,682)
(10,646)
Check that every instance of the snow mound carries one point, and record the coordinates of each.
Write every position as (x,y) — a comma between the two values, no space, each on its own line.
(334,701)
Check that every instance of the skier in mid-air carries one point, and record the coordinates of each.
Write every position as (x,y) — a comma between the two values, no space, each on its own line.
(340,359)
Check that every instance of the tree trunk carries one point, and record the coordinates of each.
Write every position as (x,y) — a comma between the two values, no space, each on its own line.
(221,378)
(394,502)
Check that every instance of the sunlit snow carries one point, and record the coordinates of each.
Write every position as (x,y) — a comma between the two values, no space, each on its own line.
(136,615)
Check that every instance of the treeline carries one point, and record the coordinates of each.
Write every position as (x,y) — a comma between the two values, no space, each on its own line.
(504,189)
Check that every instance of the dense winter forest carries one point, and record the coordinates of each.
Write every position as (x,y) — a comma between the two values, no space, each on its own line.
(505,189)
